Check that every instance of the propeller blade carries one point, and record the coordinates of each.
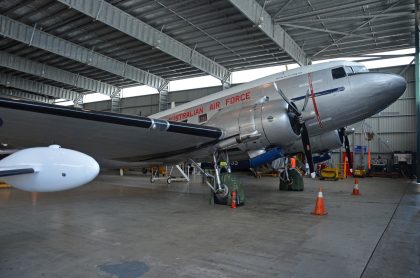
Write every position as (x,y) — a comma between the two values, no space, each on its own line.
(306,100)
(286,99)
(345,139)
(307,149)
(304,131)
(347,146)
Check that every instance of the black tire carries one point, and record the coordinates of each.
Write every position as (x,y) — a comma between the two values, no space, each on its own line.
(288,184)
(233,184)
(220,199)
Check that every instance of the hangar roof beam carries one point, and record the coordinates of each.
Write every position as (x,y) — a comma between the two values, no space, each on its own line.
(30,35)
(118,19)
(334,7)
(337,19)
(359,27)
(254,12)
(9,80)
(333,32)
(21,64)
(24,95)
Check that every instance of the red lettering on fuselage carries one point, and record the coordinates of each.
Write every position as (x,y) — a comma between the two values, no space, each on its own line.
(187,114)
(238,98)
(214,105)
(231,100)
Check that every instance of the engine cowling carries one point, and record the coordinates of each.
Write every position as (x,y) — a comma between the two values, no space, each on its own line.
(321,143)
(55,169)
(270,119)
(280,127)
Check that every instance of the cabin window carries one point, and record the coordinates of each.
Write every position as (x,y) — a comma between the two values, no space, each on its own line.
(202,118)
(338,73)
(359,69)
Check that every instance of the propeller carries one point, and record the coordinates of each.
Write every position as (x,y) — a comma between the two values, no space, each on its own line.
(307,96)
(302,129)
(345,139)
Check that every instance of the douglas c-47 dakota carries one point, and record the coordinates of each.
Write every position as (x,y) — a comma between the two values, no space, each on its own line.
(301,110)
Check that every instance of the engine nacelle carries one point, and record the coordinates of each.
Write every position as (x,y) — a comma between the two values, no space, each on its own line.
(269,118)
(278,127)
(321,143)
(55,169)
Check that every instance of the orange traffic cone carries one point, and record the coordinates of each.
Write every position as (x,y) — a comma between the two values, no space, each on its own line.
(319,204)
(356,191)
(233,200)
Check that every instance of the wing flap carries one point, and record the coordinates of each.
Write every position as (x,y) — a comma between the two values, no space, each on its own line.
(101,135)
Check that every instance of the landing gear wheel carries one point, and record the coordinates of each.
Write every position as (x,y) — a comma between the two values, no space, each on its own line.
(286,184)
(293,183)
(169,180)
(230,183)
(152,180)
(222,195)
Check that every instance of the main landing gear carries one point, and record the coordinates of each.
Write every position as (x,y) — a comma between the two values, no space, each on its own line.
(290,179)
(222,184)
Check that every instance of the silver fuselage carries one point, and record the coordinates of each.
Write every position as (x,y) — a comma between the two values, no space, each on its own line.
(340,101)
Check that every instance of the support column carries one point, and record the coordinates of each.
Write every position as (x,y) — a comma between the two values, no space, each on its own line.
(164,102)
(78,102)
(226,81)
(417,73)
(116,102)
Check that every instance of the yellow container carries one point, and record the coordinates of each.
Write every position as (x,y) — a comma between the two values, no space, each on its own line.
(329,174)
(4,185)
(359,173)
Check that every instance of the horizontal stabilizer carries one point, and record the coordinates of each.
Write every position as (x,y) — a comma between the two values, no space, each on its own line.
(15,172)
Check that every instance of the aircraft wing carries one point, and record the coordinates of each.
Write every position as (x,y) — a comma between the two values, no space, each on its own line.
(107,136)
(13,171)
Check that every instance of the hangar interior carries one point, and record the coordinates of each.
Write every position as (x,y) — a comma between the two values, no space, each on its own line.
(63,50)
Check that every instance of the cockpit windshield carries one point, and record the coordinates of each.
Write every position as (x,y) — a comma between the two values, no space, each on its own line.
(347,71)
(359,69)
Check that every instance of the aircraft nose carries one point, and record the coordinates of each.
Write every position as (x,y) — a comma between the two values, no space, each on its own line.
(397,86)
(387,88)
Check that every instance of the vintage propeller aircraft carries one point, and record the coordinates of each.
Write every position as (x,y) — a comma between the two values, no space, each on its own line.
(301,110)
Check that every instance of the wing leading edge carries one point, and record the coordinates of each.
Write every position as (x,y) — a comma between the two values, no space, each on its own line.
(100,134)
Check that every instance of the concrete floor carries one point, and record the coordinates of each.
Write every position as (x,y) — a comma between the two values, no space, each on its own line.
(121,227)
